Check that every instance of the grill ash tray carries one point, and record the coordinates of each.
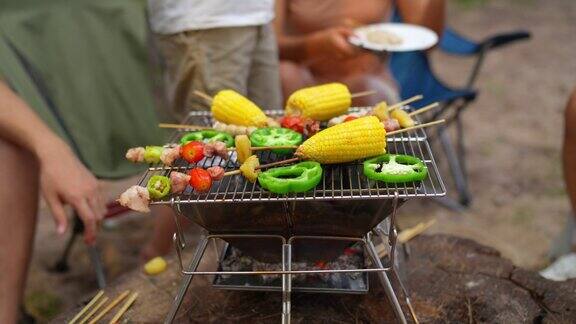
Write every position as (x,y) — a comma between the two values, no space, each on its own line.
(352,257)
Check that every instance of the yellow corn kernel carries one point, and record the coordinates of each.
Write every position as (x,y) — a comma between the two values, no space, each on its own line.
(155,266)
(230,107)
(357,139)
(402,117)
(320,102)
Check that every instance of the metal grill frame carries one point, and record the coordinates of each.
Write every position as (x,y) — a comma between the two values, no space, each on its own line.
(340,181)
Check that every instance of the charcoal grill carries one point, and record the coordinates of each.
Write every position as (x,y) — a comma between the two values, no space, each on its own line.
(344,209)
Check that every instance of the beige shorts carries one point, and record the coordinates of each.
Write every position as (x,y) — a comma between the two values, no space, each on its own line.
(244,59)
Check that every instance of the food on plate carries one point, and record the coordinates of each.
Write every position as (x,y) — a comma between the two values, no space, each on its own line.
(231,107)
(216,172)
(233,129)
(200,179)
(136,198)
(178,181)
(216,148)
(395,168)
(243,148)
(158,186)
(192,152)
(383,37)
(273,136)
(358,139)
(249,168)
(320,102)
(403,118)
(299,177)
(155,266)
(208,136)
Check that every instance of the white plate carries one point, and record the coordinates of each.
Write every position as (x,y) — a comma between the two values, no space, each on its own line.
(412,37)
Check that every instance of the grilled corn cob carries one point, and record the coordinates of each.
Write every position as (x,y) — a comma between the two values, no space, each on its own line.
(320,102)
(403,118)
(230,107)
(357,139)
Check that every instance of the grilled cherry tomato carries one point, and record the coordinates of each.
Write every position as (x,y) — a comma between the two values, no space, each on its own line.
(200,179)
(349,118)
(295,123)
(192,151)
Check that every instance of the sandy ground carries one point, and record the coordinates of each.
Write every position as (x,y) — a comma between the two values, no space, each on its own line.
(514,133)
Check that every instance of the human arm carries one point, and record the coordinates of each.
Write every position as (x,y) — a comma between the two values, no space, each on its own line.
(330,42)
(427,13)
(64,180)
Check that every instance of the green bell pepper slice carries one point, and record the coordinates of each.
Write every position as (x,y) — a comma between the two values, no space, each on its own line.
(395,168)
(276,136)
(158,186)
(208,136)
(299,177)
(152,154)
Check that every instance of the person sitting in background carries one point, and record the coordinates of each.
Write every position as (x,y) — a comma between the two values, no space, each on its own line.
(314,48)
(564,249)
(214,45)
(210,46)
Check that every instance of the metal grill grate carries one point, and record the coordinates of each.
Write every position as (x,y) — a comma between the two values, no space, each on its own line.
(340,182)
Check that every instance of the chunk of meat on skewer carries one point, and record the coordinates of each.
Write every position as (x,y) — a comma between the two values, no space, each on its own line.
(170,154)
(135,154)
(136,198)
(216,148)
(391,124)
(216,172)
(178,181)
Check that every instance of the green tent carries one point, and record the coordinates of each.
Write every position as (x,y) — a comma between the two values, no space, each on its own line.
(83,67)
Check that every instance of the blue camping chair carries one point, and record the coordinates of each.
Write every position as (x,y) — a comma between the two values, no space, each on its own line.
(414,76)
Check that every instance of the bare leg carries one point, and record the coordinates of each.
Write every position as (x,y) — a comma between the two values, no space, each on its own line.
(569,149)
(161,241)
(18,206)
(294,76)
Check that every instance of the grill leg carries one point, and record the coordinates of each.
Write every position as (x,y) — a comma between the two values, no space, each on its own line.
(200,249)
(286,282)
(386,284)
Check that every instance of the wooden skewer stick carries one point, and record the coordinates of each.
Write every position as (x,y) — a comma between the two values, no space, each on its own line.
(405,102)
(436,122)
(264,166)
(124,308)
(362,94)
(424,109)
(87,307)
(94,310)
(265,148)
(203,96)
(179,126)
(109,307)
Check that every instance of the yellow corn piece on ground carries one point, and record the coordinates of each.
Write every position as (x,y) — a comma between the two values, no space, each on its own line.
(357,139)
(320,102)
(230,107)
